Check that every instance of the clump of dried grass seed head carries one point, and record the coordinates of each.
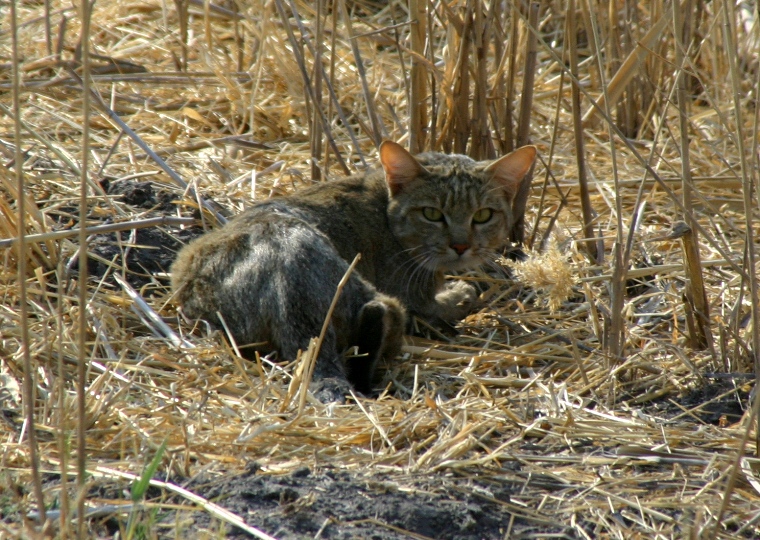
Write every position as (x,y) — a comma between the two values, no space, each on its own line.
(549,273)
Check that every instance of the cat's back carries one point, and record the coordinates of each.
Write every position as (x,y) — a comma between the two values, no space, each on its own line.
(344,199)
(268,238)
(351,212)
(324,203)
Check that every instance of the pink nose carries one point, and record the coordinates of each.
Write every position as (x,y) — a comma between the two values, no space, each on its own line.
(460,248)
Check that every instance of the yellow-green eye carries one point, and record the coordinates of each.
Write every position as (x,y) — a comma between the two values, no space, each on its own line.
(432,214)
(482,216)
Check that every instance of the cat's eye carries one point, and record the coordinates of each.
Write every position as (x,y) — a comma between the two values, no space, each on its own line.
(432,214)
(482,216)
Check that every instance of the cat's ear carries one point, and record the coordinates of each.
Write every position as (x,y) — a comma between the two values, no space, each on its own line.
(399,165)
(509,171)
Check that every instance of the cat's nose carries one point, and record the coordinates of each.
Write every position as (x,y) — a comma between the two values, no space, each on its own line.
(460,248)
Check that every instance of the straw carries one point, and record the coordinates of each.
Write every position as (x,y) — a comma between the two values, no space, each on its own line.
(523,396)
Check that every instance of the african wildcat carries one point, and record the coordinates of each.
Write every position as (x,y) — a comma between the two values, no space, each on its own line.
(272,272)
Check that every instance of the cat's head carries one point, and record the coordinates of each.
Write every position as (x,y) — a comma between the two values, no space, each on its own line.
(448,211)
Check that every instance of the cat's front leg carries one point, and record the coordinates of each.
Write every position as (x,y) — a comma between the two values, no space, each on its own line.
(455,300)
(330,389)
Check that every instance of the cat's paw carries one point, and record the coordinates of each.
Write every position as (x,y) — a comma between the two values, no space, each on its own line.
(330,389)
(456,300)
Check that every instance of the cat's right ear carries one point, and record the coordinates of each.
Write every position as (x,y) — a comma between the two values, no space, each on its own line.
(399,165)
(510,170)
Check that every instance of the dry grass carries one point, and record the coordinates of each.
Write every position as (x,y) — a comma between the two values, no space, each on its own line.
(521,383)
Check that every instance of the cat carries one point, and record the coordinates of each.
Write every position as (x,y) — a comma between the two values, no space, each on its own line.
(272,271)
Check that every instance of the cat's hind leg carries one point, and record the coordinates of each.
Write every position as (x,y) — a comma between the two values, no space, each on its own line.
(329,382)
(378,336)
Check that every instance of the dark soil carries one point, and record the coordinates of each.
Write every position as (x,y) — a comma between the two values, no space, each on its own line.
(722,402)
(147,253)
(379,507)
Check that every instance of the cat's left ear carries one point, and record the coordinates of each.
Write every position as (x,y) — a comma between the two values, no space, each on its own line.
(509,171)
(399,165)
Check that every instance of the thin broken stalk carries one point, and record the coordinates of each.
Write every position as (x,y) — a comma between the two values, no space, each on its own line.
(309,88)
(323,333)
(586,208)
(378,129)
(29,373)
(85,11)
(523,124)
(101,229)
(628,68)
(748,185)
(481,146)
(690,238)
(317,134)
(616,330)
(111,114)
(418,106)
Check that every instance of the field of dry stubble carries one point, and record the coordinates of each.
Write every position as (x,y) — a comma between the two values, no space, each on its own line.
(602,390)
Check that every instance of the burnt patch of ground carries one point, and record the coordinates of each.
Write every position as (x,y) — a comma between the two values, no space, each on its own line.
(141,195)
(145,253)
(722,402)
(340,505)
